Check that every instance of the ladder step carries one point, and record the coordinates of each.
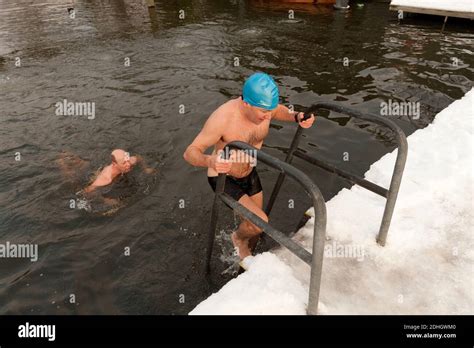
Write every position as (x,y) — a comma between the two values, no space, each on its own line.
(273,233)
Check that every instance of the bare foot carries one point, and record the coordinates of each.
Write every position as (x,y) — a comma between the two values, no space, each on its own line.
(241,245)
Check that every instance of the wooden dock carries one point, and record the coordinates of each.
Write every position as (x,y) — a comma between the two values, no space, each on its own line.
(444,8)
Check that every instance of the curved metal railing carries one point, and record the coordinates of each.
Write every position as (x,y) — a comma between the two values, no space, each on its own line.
(314,259)
(390,194)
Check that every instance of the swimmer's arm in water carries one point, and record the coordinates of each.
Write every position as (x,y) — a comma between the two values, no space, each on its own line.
(210,135)
(139,160)
(96,196)
(90,192)
(282,113)
(71,165)
(111,201)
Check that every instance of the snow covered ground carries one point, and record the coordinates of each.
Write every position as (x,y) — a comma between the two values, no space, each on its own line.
(427,266)
(447,5)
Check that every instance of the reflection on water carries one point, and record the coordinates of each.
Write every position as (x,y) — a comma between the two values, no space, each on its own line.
(174,63)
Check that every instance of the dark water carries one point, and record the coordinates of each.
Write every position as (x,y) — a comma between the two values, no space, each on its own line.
(186,62)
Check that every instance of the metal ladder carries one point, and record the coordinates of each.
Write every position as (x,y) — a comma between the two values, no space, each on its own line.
(315,260)
(390,194)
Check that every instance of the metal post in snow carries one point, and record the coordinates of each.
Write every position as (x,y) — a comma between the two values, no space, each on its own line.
(341,5)
(214,216)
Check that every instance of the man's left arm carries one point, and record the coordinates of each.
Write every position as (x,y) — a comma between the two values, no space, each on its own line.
(282,113)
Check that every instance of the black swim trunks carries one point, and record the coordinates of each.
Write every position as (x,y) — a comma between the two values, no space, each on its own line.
(237,187)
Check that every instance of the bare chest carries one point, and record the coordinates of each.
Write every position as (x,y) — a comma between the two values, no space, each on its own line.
(250,134)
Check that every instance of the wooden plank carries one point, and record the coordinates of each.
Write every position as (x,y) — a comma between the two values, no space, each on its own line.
(316,2)
(150,3)
(435,12)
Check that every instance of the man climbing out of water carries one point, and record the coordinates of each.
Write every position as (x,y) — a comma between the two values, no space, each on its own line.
(246,119)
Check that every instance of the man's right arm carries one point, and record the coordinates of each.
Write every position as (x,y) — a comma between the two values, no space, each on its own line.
(210,134)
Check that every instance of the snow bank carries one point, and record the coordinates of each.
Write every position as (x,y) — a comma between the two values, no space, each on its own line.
(268,282)
(426,266)
(446,5)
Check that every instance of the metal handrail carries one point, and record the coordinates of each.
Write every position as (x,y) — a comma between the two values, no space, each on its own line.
(390,194)
(315,259)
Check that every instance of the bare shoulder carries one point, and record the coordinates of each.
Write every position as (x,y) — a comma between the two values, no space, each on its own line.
(215,126)
(217,121)
(225,112)
(104,178)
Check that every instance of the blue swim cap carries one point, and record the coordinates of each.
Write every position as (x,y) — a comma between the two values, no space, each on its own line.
(261,91)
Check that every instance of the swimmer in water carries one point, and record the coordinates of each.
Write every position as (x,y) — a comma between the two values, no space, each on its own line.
(122,163)
(246,118)
(72,166)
